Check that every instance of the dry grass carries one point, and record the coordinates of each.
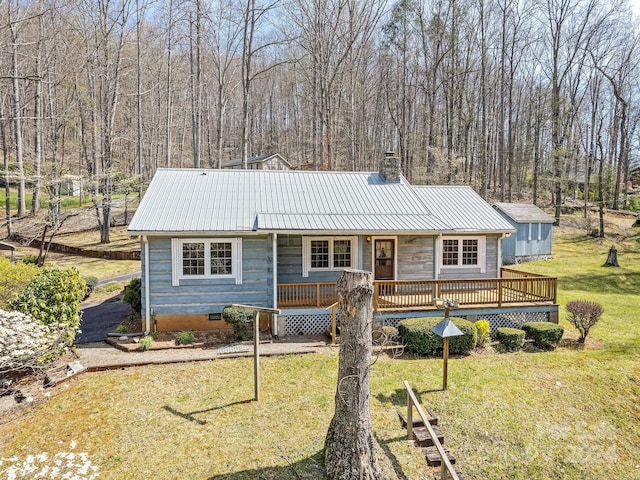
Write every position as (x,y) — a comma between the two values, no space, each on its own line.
(90,240)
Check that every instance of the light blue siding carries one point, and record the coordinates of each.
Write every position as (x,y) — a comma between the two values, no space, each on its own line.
(520,246)
(208,295)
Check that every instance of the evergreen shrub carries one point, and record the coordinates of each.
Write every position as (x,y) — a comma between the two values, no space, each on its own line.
(510,338)
(241,321)
(133,295)
(416,334)
(543,334)
(53,296)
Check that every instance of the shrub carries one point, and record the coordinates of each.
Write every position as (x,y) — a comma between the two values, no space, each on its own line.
(241,321)
(30,260)
(185,337)
(133,295)
(416,334)
(53,296)
(543,334)
(510,338)
(25,343)
(121,329)
(145,343)
(484,331)
(583,315)
(13,278)
(91,284)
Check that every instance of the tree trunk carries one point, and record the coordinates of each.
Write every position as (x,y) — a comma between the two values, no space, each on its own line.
(7,189)
(349,451)
(612,258)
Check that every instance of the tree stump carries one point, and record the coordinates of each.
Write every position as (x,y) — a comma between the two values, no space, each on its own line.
(350,448)
(612,258)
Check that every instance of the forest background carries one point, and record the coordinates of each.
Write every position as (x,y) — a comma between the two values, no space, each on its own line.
(521,99)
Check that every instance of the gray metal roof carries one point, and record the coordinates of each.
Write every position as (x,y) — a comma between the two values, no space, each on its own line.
(462,209)
(524,212)
(190,201)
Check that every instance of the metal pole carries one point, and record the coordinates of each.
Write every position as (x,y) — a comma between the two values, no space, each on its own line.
(256,355)
(445,354)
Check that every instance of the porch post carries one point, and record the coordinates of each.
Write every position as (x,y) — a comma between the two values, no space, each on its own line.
(274,269)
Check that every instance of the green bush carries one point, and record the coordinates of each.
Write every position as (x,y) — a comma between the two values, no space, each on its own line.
(510,338)
(13,278)
(54,296)
(241,321)
(543,334)
(145,343)
(416,334)
(30,260)
(185,337)
(484,332)
(91,284)
(133,295)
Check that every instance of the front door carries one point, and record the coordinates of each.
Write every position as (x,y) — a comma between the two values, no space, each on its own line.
(385,254)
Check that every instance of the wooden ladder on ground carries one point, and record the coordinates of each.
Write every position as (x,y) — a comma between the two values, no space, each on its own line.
(426,434)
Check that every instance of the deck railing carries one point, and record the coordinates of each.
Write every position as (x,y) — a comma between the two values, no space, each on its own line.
(514,287)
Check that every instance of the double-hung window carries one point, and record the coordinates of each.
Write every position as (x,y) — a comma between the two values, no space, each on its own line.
(463,252)
(195,258)
(329,253)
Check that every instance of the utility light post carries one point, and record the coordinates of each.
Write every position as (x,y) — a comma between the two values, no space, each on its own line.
(445,329)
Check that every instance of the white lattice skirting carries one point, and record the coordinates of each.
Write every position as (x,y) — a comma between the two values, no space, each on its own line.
(317,324)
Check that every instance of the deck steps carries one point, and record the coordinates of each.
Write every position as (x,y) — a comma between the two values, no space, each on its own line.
(433,457)
(423,441)
(417,422)
(422,437)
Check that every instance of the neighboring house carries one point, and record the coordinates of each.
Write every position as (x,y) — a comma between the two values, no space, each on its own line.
(534,233)
(264,162)
(280,239)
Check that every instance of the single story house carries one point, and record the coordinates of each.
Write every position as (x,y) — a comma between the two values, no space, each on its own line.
(272,161)
(534,233)
(280,239)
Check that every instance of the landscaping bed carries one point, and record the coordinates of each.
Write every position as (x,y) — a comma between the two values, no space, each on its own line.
(169,340)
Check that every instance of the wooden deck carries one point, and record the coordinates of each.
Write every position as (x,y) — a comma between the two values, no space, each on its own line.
(513,288)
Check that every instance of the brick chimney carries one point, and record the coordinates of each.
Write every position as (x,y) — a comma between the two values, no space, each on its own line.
(390,168)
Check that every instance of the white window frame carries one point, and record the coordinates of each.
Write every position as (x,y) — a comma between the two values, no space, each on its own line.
(306,253)
(236,259)
(482,255)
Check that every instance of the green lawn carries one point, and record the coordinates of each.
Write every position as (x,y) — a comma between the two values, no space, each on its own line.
(572,413)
